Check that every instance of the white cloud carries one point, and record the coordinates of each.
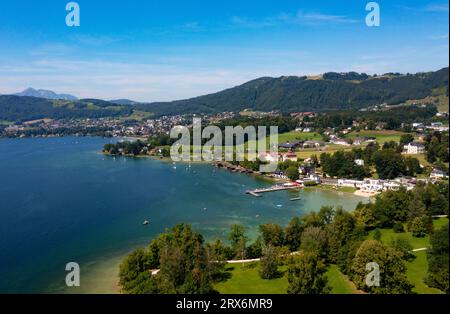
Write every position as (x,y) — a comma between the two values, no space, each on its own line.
(439,7)
(303,18)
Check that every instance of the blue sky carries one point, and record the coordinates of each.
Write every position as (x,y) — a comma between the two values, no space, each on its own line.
(173,49)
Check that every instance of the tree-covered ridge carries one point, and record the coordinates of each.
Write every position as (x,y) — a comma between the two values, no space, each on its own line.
(334,91)
(23,108)
(289,93)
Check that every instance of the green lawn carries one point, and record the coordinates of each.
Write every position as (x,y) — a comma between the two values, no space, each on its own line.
(298,136)
(417,268)
(339,282)
(382,136)
(330,149)
(417,243)
(245,279)
(416,271)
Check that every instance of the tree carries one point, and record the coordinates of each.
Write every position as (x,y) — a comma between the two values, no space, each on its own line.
(412,166)
(405,139)
(340,231)
(130,269)
(272,234)
(293,234)
(419,226)
(364,216)
(391,206)
(314,239)
(292,173)
(327,214)
(389,164)
(186,265)
(255,249)
(402,245)
(398,227)
(306,275)
(438,260)
(377,234)
(420,222)
(269,263)
(391,266)
(237,239)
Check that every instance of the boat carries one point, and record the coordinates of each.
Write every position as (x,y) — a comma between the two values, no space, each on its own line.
(295,198)
(146,222)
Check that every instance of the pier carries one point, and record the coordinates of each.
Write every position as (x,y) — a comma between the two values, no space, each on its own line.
(275,188)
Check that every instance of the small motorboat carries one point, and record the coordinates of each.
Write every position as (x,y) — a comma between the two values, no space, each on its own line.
(146,222)
(295,199)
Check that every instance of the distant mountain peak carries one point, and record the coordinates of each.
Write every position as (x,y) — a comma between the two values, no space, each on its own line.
(47,94)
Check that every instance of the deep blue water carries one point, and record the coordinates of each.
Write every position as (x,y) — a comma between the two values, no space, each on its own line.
(61,200)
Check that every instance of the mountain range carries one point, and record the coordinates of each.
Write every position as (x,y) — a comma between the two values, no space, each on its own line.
(47,94)
(330,91)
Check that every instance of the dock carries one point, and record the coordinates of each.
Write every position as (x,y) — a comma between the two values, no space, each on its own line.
(275,188)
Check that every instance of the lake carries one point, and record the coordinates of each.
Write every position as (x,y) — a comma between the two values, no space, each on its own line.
(62,201)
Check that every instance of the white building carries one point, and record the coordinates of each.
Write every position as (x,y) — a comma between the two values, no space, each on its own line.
(269,157)
(359,162)
(340,141)
(289,156)
(414,148)
(438,174)
(350,183)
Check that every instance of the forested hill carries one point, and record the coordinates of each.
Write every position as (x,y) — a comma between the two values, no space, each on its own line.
(23,108)
(331,91)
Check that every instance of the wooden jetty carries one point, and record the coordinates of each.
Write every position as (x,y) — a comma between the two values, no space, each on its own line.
(275,188)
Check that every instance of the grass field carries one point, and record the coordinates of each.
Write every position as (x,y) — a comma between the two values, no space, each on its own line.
(388,234)
(339,282)
(417,268)
(382,136)
(138,116)
(301,136)
(245,279)
(416,272)
(330,149)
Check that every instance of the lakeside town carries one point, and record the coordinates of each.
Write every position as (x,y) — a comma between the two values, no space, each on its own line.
(300,146)
(414,147)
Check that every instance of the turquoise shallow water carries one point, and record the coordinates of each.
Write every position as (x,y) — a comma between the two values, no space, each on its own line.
(62,201)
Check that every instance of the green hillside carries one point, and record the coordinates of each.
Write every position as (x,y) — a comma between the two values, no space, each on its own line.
(332,92)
